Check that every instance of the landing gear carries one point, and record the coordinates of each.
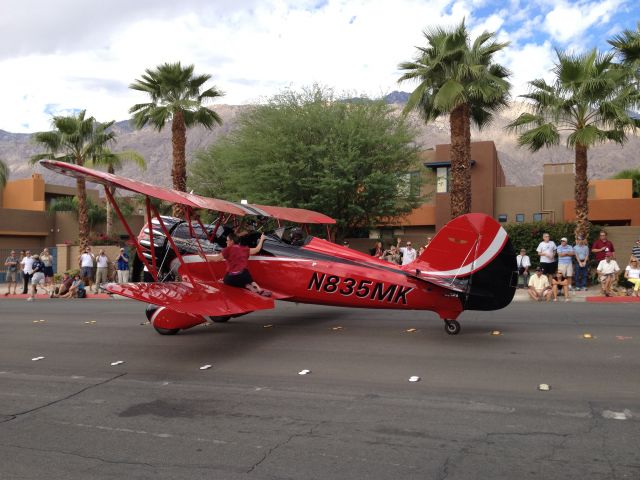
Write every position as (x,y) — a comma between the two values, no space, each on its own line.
(149,311)
(220,319)
(452,327)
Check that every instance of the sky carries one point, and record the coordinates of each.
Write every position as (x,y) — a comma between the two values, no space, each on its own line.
(59,57)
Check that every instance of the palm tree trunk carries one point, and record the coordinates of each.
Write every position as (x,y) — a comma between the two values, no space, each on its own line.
(83,218)
(582,192)
(460,161)
(179,169)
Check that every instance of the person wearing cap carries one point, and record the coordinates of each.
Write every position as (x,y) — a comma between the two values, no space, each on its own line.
(524,263)
(581,253)
(635,250)
(547,252)
(37,277)
(122,266)
(539,286)
(409,253)
(12,272)
(607,271)
(602,246)
(565,260)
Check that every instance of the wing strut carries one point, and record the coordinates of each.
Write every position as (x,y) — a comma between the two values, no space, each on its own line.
(129,232)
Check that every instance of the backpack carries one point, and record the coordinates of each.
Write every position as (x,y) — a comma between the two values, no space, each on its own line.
(82,293)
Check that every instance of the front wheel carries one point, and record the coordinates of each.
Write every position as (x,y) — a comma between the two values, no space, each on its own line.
(149,311)
(166,331)
(220,319)
(452,327)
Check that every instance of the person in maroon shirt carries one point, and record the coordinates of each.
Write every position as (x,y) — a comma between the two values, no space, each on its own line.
(602,246)
(237,258)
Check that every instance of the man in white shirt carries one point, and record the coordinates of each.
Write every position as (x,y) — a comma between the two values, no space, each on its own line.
(27,270)
(86,260)
(409,253)
(539,286)
(607,270)
(102,272)
(547,251)
(524,262)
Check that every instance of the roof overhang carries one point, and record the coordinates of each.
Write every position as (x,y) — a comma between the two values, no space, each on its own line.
(443,164)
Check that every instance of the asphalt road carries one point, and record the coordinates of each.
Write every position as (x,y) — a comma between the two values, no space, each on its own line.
(476,412)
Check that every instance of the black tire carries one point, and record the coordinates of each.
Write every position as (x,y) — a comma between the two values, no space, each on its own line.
(220,319)
(452,327)
(150,310)
(166,331)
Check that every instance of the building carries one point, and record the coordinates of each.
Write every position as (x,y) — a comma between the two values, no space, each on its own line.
(26,223)
(611,202)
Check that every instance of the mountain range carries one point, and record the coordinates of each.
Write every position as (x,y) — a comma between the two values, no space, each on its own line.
(520,166)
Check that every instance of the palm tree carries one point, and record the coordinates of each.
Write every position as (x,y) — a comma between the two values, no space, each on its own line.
(589,102)
(175,96)
(627,46)
(4,174)
(461,80)
(115,161)
(75,139)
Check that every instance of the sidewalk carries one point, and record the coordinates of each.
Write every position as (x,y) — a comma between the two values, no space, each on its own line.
(592,294)
(44,296)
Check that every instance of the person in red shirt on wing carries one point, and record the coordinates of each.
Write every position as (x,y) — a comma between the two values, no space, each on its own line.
(237,258)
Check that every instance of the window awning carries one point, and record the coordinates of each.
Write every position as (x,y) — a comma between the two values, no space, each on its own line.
(442,164)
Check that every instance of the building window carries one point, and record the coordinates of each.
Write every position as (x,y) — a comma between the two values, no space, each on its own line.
(502,218)
(442,179)
(537,217)
(519,217)
(409,185)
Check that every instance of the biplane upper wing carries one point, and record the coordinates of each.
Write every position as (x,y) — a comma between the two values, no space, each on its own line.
(206,298)
(298,215)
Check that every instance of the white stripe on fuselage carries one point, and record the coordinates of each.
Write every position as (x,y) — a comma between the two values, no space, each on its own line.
(479,263)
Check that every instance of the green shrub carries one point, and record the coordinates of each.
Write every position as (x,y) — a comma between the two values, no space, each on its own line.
(529,235)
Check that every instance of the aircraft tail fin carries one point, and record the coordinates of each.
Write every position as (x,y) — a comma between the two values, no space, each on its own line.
(475,252)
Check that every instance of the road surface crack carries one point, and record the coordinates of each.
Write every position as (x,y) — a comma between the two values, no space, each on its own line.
(89,387)
(281,444)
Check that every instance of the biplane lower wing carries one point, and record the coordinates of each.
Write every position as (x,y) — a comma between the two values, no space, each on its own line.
(206,299)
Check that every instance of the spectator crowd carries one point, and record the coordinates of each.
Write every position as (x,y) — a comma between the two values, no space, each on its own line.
(28,273)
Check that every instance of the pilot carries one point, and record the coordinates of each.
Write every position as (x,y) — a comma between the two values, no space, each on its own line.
(297,237)
(237,258)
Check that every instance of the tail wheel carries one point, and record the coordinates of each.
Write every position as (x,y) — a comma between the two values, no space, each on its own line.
(149,311)
(452,327)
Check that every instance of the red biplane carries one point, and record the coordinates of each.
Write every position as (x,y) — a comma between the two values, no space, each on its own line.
(469,265)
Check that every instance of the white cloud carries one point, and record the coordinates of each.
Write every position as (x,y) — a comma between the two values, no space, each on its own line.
(569,20)
(76,54)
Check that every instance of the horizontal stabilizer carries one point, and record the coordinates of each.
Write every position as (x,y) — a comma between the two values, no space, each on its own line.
(207,299)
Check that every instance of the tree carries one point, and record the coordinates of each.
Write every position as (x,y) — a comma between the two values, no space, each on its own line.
(460,80)
(634,175)
(115,161)
(627,46)
(175,96)
(76,139)
(312,150)
(4,174)
(588,101)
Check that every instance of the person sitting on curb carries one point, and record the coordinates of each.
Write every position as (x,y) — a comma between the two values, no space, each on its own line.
(607,270)
(77,289)
(539,287)
(558,282)
(632,276)
(64,287)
